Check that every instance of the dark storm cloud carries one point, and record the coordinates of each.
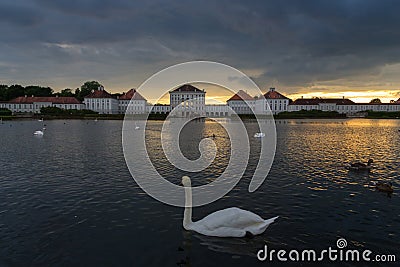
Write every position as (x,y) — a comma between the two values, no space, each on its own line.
(294,42)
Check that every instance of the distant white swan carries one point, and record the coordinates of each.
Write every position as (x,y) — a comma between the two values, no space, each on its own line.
(231,222)
(39,133)
(259,135)
(41,119)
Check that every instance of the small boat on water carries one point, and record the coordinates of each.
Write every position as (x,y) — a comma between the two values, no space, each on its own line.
(259,135)
(359,166)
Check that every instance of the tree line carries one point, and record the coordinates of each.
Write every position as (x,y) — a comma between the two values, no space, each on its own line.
(8,92)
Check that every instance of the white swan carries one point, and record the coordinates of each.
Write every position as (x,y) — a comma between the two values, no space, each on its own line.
(39,133)
(230,222)
(259,135)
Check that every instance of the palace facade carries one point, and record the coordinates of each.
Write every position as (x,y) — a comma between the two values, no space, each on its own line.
(188,100)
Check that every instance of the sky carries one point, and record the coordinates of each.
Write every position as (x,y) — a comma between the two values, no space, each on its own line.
(303,48)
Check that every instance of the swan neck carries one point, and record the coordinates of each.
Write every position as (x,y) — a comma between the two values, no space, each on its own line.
(187,216)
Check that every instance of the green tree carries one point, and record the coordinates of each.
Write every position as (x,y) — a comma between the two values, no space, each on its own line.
(3,92)
(14,91)
(78,93)
(376,101)
(66,92)
(38,91)
(88,86)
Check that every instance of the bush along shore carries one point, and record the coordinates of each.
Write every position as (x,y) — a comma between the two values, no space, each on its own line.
(310,114)
(53,113)
(383,115)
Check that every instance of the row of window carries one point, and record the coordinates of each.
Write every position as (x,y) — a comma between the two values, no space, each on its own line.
(275,107)
(38,106)
(278,101)
(186,97)
(351,108)
(190,107)
(100,99)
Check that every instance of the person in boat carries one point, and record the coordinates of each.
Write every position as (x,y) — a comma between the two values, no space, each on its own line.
(361,165)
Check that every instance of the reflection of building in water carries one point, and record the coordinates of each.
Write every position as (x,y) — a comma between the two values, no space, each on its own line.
(187,100)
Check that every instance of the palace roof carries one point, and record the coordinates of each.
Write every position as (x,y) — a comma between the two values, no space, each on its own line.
(132,94)
(99,94)
(272,94)
(187,88)
(241,95)
(317,101)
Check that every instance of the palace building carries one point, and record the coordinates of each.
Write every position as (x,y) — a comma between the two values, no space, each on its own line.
(274,100)
(138,104)
(188,100)
(241,103)
(101,101)
(33,104)
(340,105)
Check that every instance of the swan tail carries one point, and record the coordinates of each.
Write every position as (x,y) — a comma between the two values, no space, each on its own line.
(269,221)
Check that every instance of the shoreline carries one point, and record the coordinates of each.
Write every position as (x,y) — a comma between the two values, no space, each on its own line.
(162,118)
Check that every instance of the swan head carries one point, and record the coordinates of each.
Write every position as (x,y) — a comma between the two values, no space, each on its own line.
(186,181)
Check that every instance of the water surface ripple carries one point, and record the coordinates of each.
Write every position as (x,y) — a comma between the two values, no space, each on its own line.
(68,199)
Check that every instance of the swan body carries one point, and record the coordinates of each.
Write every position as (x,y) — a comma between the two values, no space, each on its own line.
(39,133)
(230,222)
(259,135)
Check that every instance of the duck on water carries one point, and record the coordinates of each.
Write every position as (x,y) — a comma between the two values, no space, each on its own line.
(359,166)
(384,187)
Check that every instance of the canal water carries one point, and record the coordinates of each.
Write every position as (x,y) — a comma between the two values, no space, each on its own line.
(68,199)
